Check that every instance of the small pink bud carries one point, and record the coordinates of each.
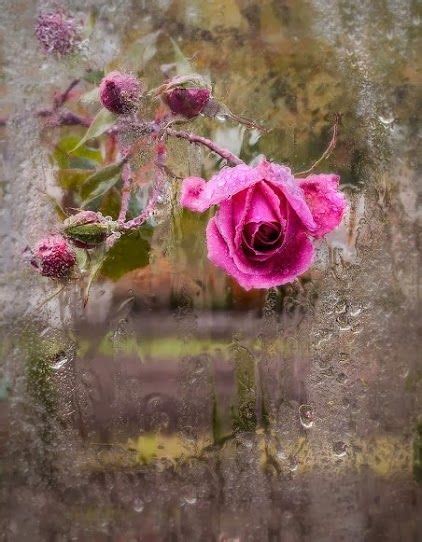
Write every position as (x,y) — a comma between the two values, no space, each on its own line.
(120,92)
(53,257)
(186,95)
(188,102)
(57,32)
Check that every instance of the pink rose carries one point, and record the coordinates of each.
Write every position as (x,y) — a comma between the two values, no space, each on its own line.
(261,231)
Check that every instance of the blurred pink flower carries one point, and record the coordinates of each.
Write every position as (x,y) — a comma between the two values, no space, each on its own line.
(57,32)
(261,231)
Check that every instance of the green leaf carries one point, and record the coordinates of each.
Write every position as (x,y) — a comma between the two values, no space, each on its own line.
(101,123)
(90,97)
(100,182)
(72,179)
(94,76)
(129,252)
(66,144)
(57,207)
(142,51)
(110,203)
(183,66)
(92,275)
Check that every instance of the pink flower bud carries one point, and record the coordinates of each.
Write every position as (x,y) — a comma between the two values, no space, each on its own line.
(188,102)
(53,257)
(57,32)
(120,92)
(186,95)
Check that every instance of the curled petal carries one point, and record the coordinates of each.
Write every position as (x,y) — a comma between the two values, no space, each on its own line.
(281,177)
(325,201)
(225,184)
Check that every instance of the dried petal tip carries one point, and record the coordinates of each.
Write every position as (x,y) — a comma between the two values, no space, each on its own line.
(120,92)
(57,32)
(53,257)
(187,95)
(86,229)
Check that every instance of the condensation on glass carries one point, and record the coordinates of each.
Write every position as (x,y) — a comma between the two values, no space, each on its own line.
(177,406)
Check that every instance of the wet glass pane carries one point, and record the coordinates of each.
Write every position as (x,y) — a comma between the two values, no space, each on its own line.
(151,396)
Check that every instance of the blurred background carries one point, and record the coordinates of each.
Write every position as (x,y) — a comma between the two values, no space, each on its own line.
(178,406)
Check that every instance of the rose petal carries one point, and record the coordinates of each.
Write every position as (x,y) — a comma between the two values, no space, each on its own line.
(326,202)
(281,177)
(192,189)
(218,254)
(225,184)
(295,256)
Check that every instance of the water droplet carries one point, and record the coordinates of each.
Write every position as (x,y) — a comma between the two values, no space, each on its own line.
(61,362)
(281,455)
(340,448)
(293,464)
(386,120)
(138,505)
(355,311)
(341,377)
(306,416)
(246,439)
(189,496)
(190,500)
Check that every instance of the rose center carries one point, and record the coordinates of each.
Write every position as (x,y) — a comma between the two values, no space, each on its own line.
(262,236)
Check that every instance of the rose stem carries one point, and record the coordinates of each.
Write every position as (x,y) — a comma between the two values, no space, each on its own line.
(328,150)
(127,186)
(160,163)
(61,98)
(194,138)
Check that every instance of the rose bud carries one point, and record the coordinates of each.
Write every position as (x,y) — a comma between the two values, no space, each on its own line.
(53,257)
(187,95)
(57,32)
(120,92)
(86,229)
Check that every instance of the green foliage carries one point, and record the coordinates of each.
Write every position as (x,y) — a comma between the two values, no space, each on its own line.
(72,178)
(244,412)
(130,252)
(40,354)
(100,182)
(183,66)
(101,123)
(67,156)
(94,76)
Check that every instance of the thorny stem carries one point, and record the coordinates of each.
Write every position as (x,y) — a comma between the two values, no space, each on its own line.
(328,150)
(161,170)
(61,98)
(67,118)
(143,217)
(126,189)
(156,191)
(194,138)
